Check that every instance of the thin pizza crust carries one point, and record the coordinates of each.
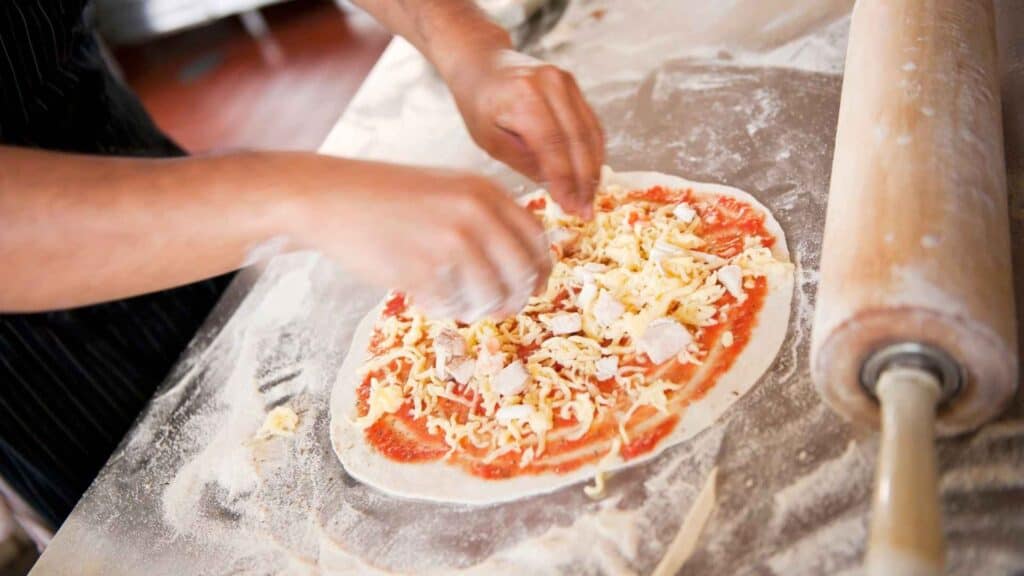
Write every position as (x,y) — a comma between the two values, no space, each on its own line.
(441,482)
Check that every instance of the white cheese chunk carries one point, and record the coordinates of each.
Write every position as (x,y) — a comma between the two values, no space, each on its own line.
(441,367)
(607,367)
(663,339)
(731,278)
(587,273)
(448,345)
(663,249)
(461,369)
(488,364)
(511,380)
(563,324)
(586,295)
(607,309)
(684,213)
(507,414)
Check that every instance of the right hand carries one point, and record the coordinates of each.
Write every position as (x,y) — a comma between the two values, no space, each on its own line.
(455,242)
(532,116)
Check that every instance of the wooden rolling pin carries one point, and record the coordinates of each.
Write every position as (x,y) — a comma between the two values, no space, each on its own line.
(914,325)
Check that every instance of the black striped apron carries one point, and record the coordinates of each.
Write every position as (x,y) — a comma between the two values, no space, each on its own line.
(73,381)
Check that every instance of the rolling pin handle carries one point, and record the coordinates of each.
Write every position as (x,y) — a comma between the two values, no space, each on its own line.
(906,525)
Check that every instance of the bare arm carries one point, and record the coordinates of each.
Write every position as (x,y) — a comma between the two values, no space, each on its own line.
(526,113)
(79,229)
(76,230)
(450,33)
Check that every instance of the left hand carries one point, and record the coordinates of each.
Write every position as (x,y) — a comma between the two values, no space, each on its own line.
(532,116)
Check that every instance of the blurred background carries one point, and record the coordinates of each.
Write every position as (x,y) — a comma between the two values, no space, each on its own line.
(241,73)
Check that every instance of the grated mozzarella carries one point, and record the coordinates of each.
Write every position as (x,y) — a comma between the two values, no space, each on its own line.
(507,414)
(639,280)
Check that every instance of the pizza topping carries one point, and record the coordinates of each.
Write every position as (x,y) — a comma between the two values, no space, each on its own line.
(664,339)
(448,344)
(684,213)
(597,490)
(709,259)
(415,333)
(588,272)
(488,363)
(526,458)
(383,400)
(607,309)
(583,409)
(507,414)
(586,295)
(663,249)
(562,324)
(727,338)
(462,369)
(731,278)
(607,367)
(563,239)
(641,284)
(512,379)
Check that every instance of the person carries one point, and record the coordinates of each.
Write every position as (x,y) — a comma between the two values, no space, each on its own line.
(115,245)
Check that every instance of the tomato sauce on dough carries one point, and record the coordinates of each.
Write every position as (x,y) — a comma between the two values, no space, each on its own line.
(725,222)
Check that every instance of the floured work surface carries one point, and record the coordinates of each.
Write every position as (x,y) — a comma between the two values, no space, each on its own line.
(683,88)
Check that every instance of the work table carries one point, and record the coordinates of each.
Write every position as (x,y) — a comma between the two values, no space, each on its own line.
(743,93)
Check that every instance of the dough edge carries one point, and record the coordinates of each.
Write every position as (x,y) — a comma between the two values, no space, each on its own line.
(439,482)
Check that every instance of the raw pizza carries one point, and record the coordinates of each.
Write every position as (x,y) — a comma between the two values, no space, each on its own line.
(659,314)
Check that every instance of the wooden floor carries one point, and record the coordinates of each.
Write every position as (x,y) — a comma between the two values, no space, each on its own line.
(217,87)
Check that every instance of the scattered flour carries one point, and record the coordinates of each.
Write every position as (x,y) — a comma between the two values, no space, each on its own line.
(194,492)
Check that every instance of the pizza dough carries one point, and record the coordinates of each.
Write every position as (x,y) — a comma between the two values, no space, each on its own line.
(440,481)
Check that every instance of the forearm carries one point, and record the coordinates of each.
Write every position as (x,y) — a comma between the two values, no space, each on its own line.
(77,230)
(450,33)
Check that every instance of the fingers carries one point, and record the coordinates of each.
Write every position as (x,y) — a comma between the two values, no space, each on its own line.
(550,115)
(511,149)
(493,258)
(565,102)
(595,131)
(484,289)
(535,122)
(522,253)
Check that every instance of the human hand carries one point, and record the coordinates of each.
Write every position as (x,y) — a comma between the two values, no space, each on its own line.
(532,116)
(455,242)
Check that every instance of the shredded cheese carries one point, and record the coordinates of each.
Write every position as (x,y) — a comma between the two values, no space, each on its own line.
(597,490)
(640,266)
(383,400)
(281,421)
